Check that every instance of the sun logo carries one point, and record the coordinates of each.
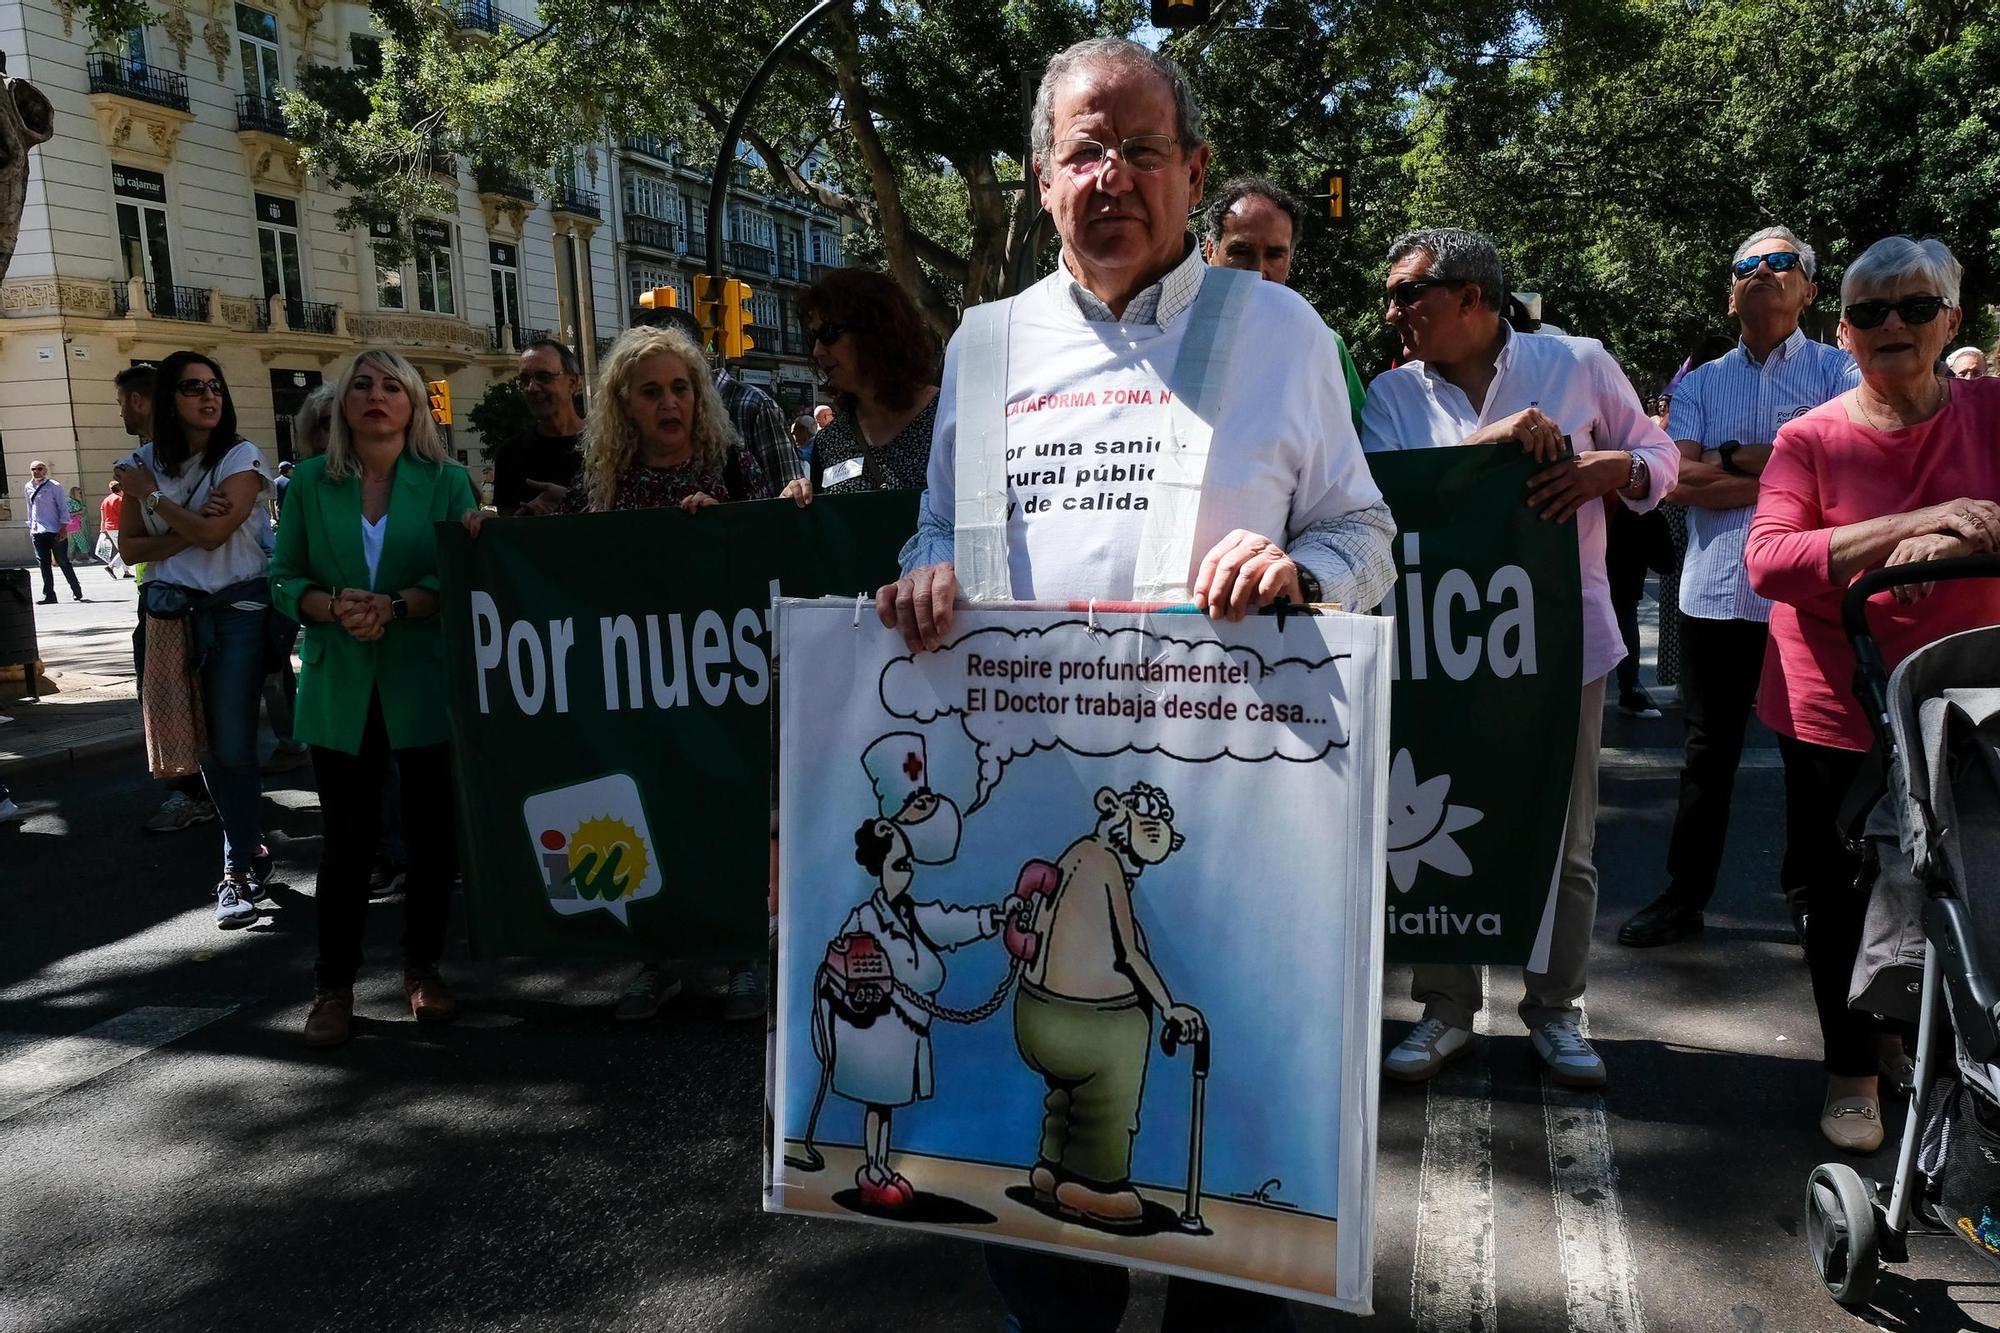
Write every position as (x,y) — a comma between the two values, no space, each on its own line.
(604,858)
(592,847)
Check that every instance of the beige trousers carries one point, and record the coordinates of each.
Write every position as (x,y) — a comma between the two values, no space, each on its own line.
(1450,991)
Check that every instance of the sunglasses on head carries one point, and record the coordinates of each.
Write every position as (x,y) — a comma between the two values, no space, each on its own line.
(196,388)
(1405,294)
(1780,261)
(1911,309)
(829,333)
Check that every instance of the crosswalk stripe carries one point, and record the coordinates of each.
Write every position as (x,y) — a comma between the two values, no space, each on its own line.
(1598,1273)
(1671,757)
(1451,1276)
(48,1068)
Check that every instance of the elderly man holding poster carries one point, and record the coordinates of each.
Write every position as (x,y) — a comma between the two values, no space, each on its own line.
(1467,378)
(1137,426)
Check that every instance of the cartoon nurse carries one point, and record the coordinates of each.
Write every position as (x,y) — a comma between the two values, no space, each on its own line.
(868,1027)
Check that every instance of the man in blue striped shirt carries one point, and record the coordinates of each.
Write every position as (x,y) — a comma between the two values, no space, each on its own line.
(1724,416)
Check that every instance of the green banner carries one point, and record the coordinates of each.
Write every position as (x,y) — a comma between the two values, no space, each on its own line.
(610,693)
(1483,712)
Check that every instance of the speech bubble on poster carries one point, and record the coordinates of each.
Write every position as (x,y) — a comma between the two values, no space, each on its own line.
(593,846)
(1101,692)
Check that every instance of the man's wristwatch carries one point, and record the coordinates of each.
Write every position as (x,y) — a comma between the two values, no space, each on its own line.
(1637,480)
(1726,453)
(1309,589)
(398,609)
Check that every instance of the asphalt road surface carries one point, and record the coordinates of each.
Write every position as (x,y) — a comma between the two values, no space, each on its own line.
(172,1157)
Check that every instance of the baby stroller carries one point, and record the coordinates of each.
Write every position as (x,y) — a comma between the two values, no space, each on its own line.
(1932,841)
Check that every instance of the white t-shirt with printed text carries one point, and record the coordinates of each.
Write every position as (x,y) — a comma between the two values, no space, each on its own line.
(1087,417)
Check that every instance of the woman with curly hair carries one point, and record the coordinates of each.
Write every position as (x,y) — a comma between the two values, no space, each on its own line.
(875,352)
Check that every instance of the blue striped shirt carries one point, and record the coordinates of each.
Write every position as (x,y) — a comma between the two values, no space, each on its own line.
(1737,398)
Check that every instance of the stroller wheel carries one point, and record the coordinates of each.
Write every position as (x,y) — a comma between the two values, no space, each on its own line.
(1842,1232)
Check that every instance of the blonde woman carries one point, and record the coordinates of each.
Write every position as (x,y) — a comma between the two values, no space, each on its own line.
(659,438)
(356,565)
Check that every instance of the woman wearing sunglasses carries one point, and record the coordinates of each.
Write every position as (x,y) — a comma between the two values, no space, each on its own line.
(189,493)
(873,349)
(1902,468)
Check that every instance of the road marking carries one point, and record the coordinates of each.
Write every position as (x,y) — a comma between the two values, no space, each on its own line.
(1598,1276)
(1451,1277)
(49,1068)
(1672,757)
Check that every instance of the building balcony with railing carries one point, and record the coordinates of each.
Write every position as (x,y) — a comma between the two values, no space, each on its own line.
(188,303)
(578,201)
(791,268)
(130,78)
(265,115)
(302,316)
(818,271)
(513,337)
(652,233)
(650,145)
(749,258)
(501,181)
(768,337)
(485,16)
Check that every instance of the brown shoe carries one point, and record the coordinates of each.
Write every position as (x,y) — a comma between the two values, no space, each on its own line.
(331,1021)
(430,998)
(1115,1208)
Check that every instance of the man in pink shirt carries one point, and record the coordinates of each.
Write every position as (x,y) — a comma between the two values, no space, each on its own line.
(1900,469)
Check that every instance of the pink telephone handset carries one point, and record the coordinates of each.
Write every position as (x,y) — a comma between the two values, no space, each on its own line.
(1037,880)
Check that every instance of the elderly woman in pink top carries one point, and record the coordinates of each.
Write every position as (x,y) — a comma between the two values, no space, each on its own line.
(1902,468)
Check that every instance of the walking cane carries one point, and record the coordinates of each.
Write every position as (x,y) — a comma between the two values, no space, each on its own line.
(1170,1038)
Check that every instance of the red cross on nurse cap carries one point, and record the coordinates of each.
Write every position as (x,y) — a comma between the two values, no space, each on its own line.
(898,767)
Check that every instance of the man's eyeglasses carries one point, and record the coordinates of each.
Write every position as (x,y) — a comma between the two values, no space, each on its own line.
(829,333)
(196,388)
(1912,310)
(537,379)
(1407,293)
(1780,261)
(1141,152)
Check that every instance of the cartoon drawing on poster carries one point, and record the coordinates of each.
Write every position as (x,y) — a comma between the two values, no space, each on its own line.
(1108,878)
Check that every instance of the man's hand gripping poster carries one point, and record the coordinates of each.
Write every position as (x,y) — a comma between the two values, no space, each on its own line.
(1079,935)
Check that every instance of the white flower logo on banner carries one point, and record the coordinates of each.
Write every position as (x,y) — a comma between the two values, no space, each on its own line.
(1421,824)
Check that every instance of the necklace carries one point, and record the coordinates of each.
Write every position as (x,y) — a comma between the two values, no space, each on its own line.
(1943,392)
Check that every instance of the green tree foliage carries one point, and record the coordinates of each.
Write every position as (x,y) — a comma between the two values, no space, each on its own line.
(1617,149)
(501,413)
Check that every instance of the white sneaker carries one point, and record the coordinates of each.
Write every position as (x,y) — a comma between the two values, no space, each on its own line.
(1570,1059)
(1431,1045)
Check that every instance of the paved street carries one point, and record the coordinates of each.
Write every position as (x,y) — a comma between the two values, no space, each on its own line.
(177,1160)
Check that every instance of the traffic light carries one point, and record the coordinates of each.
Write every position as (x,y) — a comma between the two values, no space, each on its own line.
(704,311)
(1176,14)
(1336,195)
(660,298)
(440,391)
(736,318)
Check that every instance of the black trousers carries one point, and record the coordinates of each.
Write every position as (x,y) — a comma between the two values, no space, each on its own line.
(350,803)
(1049,1293)
(55,545)
(1819,875)
(1721,661)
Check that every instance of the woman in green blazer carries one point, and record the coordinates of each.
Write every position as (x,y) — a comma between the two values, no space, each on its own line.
(356,565)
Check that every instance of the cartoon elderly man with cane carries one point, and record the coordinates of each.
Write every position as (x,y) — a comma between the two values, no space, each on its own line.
(870,1029)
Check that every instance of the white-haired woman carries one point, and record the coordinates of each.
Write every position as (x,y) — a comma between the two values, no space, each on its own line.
(1902,468)
(356,565)
(661,439)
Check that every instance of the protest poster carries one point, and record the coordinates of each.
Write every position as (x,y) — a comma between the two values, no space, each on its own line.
(611,733)
(1080,923)
(1489,668)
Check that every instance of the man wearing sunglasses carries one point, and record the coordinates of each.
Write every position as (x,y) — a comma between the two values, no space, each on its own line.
(1468,378)
(1065,406)
(536,468)
(1723,417)
(48,513)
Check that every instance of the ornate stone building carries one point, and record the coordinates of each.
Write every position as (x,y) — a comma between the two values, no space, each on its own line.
(170,211)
